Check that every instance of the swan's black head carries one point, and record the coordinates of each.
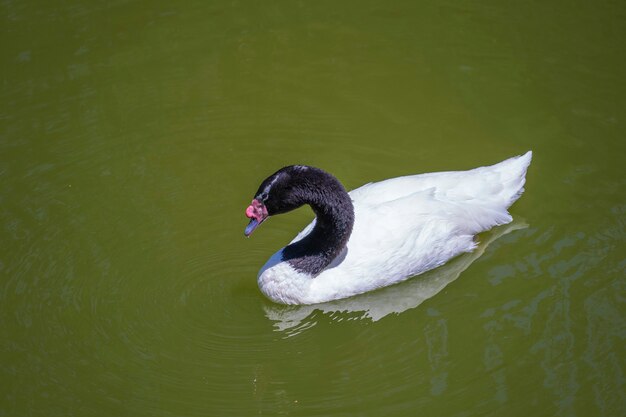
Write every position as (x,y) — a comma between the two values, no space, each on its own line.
(287,189)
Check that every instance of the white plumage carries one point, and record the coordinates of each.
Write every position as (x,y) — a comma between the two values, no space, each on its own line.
(403,227)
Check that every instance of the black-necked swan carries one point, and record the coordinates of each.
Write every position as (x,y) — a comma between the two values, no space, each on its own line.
(380,233)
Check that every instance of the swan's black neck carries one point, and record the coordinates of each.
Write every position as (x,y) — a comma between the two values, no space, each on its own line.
(334,215)
(333,226)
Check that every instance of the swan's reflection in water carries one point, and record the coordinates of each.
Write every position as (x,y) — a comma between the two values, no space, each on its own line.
(395,299)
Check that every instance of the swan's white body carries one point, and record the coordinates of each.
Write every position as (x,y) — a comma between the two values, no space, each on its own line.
(403,227)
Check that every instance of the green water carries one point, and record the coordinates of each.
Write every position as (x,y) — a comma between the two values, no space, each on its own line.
(134,134)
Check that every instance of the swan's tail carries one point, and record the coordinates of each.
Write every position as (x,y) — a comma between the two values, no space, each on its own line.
(495,188)
(513,177)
